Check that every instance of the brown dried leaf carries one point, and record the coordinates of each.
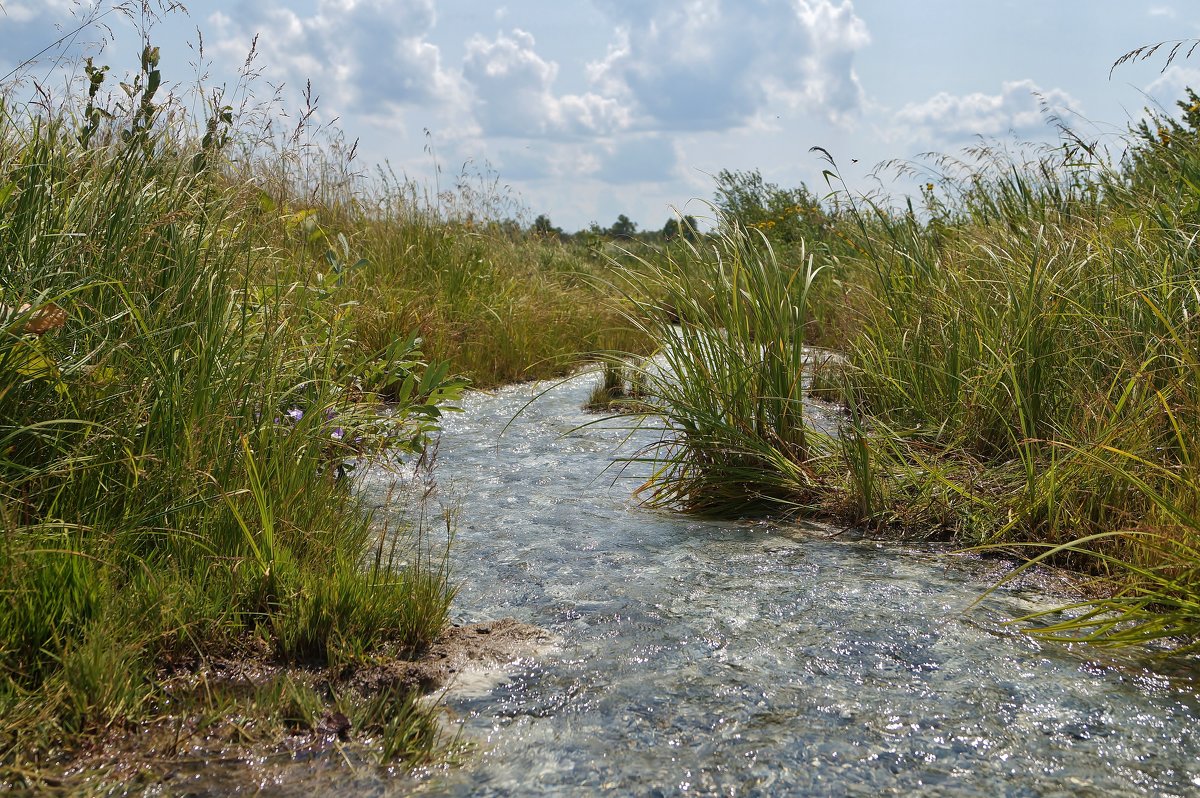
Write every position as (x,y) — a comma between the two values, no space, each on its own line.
(48,317)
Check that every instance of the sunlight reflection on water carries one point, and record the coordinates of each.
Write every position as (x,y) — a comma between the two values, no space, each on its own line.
(750,658)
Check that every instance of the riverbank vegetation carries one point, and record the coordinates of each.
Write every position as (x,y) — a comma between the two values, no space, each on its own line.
(198,335)
(1018,365)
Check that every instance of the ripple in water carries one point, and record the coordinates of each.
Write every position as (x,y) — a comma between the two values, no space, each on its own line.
(705,658)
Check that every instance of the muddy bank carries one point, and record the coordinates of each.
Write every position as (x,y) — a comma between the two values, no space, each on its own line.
(462,651)
(247,723)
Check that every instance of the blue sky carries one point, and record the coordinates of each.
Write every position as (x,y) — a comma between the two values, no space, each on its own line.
(587,109)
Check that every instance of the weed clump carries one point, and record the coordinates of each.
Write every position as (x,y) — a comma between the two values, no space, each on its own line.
(621,387)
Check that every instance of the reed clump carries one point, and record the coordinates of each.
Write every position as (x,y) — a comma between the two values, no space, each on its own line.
(1019,370)
(728,375)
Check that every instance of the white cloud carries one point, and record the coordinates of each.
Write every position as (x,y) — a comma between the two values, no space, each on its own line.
(21,12)
(546,160)
(1019,109)
(621,160)
(43,44)
(514,92)
(714,64)
(26,26)
(370,56)
(836,34)
(26,10)
(1168,88)
(524,162)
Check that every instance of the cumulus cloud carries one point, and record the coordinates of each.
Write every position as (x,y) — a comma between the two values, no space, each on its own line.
(1168,88)
(1018,109)
(26,26)
(542,159)
(712,64)
(620,161)
(22,12)
(29,10)
(702,65)
(67,30)
(370,56)
(513,89)
(524,163)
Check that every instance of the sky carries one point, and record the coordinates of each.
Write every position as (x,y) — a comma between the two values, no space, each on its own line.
(587,109)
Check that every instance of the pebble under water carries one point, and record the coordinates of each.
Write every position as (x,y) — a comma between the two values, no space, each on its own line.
(749,658)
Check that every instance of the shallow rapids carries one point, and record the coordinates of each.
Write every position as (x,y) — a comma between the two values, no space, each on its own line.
(704,658)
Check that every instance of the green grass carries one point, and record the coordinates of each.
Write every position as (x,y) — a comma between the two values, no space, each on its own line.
(1020,371)
(728,377)
(501,304)
(173,459)
(502,307)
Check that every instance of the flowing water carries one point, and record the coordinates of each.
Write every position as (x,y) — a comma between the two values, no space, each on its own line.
(707,658)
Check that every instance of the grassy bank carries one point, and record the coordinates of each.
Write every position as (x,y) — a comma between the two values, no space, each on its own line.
(1020,369)
(502,308)
(501,303)
(172,453)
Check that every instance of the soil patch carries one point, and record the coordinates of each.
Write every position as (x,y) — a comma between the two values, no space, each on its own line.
(247,723)
(461,649)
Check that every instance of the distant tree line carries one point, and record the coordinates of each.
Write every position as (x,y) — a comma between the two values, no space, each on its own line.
(785,216)
(623,229)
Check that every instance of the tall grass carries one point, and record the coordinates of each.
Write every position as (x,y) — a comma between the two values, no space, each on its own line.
(728,376)
(1020,371)
(176,459)
(503,305)
(500,303)
(1041,336)
(171,459)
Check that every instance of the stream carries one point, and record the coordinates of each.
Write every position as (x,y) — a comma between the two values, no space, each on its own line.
(695,657)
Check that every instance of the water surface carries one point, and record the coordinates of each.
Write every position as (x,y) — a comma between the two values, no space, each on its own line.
(749,658)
